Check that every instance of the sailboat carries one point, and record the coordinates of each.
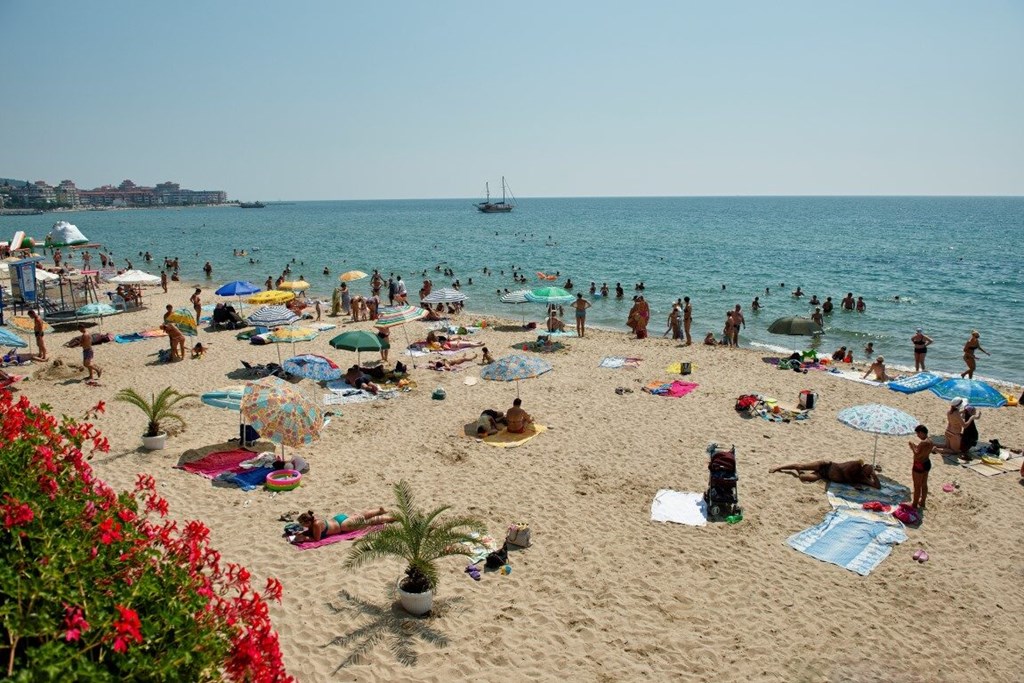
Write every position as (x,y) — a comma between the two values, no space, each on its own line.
(503,206)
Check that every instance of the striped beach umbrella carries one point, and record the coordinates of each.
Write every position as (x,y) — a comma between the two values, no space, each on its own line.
(290,335)
(185,321)
(445,295)
(517,297)
(272,316)
(390,316)
(514,368)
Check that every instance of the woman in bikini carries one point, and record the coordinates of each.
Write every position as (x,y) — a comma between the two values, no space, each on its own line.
(318,528)
(970,347)
(954,425)
(854,472)
(920,341)
(922,464)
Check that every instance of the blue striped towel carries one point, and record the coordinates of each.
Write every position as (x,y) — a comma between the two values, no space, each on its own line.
(892,493)
(851,541)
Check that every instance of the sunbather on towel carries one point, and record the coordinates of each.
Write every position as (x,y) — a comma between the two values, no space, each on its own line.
(517,418)
(339,524)
(359,380)
(853,472)
(454,361)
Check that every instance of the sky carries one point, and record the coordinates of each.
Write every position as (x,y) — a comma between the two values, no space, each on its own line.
(396,100)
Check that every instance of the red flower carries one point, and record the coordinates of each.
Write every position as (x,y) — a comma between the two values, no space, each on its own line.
(127,629)
(15,512)
(110,531)
(74,622)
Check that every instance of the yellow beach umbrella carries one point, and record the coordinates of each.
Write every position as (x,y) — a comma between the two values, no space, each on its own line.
(352,275)
(272,296)
(294,285)
(23,322)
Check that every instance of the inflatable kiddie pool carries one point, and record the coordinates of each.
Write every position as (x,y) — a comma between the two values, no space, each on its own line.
(283,480)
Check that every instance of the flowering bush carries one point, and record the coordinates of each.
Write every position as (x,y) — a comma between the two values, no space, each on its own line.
(95,584)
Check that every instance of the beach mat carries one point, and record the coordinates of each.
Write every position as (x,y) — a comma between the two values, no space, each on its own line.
(330,540)
(245,479)
(851,541)
(679,507)
(915,383)
(987,470)
(616,362)
(845,495)
(217,462)
(673,389)
(506,439)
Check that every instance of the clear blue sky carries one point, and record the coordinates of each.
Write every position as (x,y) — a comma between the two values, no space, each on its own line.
(346,100)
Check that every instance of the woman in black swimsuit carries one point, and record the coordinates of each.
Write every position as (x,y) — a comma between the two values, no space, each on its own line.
(970,347)
(920,341)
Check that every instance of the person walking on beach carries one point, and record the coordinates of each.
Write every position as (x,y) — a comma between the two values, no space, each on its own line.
(922,464)
(920,341)
(687,319)
(581,305)
(163,280)
(197,304)
(973,344)
(87,353)
(38,331)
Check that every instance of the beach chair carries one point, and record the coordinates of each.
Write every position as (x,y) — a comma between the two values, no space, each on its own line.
(268,370)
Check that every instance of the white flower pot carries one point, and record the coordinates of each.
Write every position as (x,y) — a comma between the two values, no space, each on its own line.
(416,604)
(155,443)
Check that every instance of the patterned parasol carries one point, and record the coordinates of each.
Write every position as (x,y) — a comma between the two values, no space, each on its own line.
(23,322)
(312,366)
(515,367)
(280,413)
(878,420)
(272,296)
(185,321)
(977,393)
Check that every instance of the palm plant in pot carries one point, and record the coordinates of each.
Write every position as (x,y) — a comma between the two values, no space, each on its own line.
(158,408)
(420,539)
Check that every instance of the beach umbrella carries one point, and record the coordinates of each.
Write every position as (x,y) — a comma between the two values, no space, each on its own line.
(445,295)
(227,398)
(11,340)
(237,288)
(879,420)
(272,316)
(977,393)
(352,276)
(285,335)
(794,325)
(280,413)
(312,366)
(96,310)
(294,285)
(550,295)
(135,277)
(392,316)
(271,296)
(185,321)
(515,367)
(517,297)
(358,341)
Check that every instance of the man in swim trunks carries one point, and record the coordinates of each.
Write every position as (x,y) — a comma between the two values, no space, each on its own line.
(848,302)
(826,307)
(687,319)
(355,377)
(581,305)
(323,527)
(853,472)
(37,326)
(88,353)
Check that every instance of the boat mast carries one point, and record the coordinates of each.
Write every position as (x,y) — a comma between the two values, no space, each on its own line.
(488,186)
(502,189)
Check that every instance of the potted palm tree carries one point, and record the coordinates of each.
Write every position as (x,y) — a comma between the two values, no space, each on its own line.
(158,408)
(420,539)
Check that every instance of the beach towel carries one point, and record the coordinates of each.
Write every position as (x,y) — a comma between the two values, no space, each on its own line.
(673,389)
(991,469)
(853,542)
(128,338)
(218,462)
(539,347)
(616,362)
(915,383)
(343,392)
(506,439)
(347,536)
(563,333)
(845,495)
(323,327)
(481,547)
(853,376)
(679,507)
(245,479)
(785,414)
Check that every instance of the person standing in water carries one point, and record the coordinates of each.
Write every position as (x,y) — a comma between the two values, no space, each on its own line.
(581,305)
(920,341)
(687,319)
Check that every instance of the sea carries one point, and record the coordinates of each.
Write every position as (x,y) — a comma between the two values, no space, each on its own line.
(945,264)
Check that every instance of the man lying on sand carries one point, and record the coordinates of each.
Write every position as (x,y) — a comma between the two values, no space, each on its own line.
(853,472)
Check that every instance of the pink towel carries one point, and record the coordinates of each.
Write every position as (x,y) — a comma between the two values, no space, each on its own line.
(218,462)
(347,536)
(677,388)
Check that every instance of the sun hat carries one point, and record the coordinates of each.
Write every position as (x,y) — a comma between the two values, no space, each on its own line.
(956,402)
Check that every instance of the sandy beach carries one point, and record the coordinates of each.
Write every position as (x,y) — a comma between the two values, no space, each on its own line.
(604,594)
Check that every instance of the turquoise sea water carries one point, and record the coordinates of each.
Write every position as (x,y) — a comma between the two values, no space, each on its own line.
(954,262)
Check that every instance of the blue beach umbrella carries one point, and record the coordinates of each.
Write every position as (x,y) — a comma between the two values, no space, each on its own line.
(11,340)
(96,310)
(879,420)
(977,393)
(314,367)
(228,398)
(515,367)
(237,288)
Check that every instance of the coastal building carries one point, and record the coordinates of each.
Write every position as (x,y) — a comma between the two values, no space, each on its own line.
(21,194)
(67,194)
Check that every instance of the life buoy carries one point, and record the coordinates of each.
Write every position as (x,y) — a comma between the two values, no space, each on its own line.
(283,480)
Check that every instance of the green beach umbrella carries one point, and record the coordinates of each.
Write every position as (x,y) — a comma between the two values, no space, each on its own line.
(358,341)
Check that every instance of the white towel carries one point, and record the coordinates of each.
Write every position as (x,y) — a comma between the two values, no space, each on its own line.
(679,507)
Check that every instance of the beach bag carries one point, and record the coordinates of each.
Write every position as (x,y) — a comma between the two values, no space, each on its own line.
(807,400)
(518,534)
(498,558)
(907,514)
(685,368)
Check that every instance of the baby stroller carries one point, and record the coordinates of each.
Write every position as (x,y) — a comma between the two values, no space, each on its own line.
(721,497)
